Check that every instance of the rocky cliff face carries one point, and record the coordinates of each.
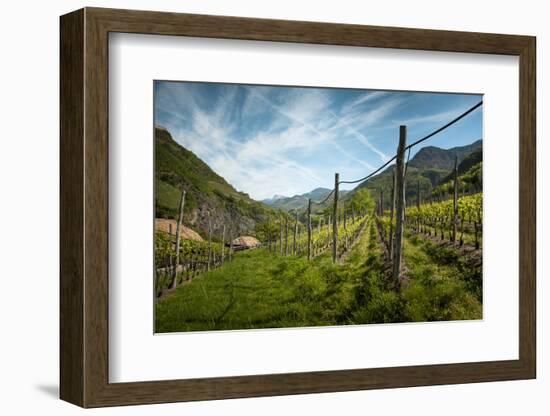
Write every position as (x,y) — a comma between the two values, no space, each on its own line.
(210,201)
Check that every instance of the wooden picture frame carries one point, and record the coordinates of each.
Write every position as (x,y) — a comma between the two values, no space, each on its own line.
(84,207)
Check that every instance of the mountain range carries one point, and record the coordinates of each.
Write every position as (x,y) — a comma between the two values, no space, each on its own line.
(430,167)
(287,203)
(212,202)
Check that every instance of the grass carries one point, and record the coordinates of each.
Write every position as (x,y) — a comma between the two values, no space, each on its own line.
(168,194)
(442,287)
(261,290)
(375,300)
(258,290)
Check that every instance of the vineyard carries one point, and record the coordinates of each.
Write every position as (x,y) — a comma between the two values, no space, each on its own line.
(341,260)
(178,263)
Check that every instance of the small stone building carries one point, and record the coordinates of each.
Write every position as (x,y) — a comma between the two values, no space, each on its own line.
(169,226)
(245,243)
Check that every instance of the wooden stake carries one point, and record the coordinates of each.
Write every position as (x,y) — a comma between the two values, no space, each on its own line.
(178,237)
(286,236)
(281,236)
(418,194)
(209,243)
(309,229)
(295,234)
(400,203)
(418,205)
(381,202)
(230,246)
(329,224)
(455,201)
(392,210)
(335,218)
(268,236)
(299,248)
(345,216)
(345,225)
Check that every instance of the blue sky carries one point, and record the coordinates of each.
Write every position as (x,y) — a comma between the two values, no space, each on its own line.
(267,140)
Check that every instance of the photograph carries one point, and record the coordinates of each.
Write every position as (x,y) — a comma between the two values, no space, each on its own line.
(303,206)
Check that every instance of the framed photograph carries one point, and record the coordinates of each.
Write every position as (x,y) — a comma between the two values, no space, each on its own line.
(255,207)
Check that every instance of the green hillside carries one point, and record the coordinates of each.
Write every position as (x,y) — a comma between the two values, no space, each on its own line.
(430,167)
(444,159)
(470,181)
(209,196)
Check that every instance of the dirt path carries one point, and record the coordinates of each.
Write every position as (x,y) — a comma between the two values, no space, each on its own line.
(362,232)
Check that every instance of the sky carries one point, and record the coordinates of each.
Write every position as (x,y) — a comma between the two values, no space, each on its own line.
(274,140)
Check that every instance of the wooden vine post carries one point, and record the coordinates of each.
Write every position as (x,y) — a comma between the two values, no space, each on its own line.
(230,246)
(298,247)
(335,218)
(178,239)
(345,225)
(286,236)
(381,202)
(294,252)
(455,201)
(418,194)
(392,210)
(309,229)
(268,233)
(418,205)
(329,224)
(281,236)
(399,203)
(345,216)
(209,243)
(170,257)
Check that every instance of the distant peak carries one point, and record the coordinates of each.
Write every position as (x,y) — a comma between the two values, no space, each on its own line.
(274,198)
(160,127)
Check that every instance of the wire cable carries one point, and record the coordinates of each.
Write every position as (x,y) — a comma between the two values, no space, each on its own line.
(433,133)
(373,173)
(450,123)
(324,200)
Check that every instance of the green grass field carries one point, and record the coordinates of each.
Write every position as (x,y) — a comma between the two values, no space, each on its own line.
(262,290)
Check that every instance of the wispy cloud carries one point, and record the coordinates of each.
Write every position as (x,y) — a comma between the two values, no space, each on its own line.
(362,99)
(282,140)
(311,109)
(443,116)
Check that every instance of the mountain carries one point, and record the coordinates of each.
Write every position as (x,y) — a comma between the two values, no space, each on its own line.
(466,164)
(430,167)
(431,157)
(209,197)
(470,173)
(273,199)
(299,201)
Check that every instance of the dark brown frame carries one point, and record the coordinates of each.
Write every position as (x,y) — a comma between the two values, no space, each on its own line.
(84,209)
